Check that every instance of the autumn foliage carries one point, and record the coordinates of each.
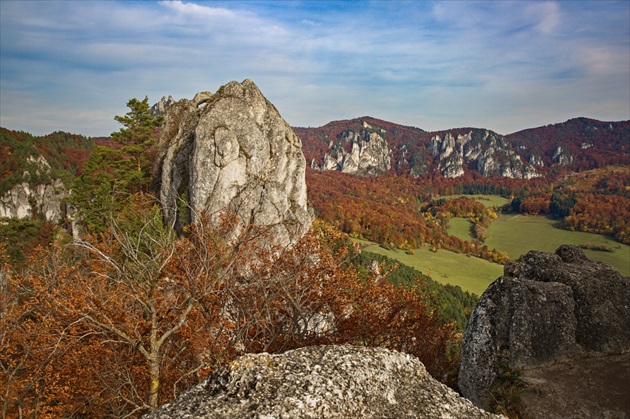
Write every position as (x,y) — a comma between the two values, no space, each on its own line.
(400,211)
(115,325)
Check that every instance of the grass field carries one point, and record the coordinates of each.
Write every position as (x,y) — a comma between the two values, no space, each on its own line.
(518,234)
(489,201)
(470,273)
(460,227)
(514,234)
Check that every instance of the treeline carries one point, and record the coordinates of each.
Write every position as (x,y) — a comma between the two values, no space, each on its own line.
(399,210)
(65,153)
(596,201)
(406,213)
(451,302)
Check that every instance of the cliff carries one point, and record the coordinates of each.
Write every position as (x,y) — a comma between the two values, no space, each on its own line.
(576,144)
(43,197)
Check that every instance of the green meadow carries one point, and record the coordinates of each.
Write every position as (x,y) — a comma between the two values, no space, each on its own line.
(518,234)
(515,234)
(460,227)
(470,273)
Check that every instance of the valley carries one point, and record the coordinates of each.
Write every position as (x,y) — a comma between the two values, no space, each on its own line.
(514,234)
(518,234)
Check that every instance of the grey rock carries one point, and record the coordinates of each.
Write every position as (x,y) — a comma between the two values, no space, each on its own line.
(548,308)
(359,153)
(236,154)
(490,152)
(322,382)
(26,200)
(161,107)
(562,156)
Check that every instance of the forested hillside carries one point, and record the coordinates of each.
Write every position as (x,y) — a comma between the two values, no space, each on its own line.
(65,153)
(127,314)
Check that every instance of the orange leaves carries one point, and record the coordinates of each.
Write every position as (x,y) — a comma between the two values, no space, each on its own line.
(603,214)
(382,314)
(115,326)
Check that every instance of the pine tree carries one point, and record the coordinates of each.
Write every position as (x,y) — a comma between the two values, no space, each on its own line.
(137,138)
(113,174)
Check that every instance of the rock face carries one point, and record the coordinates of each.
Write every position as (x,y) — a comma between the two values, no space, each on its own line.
(490,153)
(548,308)
(577,144)
(322,382)
(161,107)
(232,151)
(26,200)
(358,153)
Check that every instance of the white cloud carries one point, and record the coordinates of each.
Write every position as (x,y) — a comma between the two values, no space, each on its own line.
(545,15)
(435,62)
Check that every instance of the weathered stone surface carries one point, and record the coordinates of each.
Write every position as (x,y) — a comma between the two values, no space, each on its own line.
(232,151)
(161,107)
(322,382)
(548,308)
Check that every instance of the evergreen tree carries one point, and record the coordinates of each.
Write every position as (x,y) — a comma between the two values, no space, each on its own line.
(113,174)
(137,138)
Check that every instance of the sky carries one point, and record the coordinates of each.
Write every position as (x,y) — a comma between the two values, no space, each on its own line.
(502,65)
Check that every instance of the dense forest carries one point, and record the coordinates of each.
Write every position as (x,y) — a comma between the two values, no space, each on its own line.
(406,212)
(130,314)
(127,314)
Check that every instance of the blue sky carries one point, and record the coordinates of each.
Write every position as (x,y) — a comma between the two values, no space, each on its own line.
(501,65)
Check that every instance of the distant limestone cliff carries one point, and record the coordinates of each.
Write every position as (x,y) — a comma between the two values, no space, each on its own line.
(369,146)
(364,153)
(44,198)
(232,151)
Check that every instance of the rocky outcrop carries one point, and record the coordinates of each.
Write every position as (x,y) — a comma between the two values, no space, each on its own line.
(161,107)
(562,156)
(490,153)
(28,199)
(232,151)
(322,382)
(25,201)
(545,309)
(360,153)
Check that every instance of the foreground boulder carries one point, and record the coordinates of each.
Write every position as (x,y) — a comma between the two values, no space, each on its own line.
(231,151)
(546,309)
(322,382)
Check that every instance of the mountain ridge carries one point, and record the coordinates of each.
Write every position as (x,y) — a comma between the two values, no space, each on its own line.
(577,144)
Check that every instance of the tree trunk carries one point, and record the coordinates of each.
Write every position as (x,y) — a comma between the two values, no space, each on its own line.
(154,364)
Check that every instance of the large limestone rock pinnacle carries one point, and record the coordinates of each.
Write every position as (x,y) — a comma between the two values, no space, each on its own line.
(323,382)
(232,151)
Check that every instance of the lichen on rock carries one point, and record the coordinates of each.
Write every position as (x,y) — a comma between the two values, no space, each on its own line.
(322,382)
